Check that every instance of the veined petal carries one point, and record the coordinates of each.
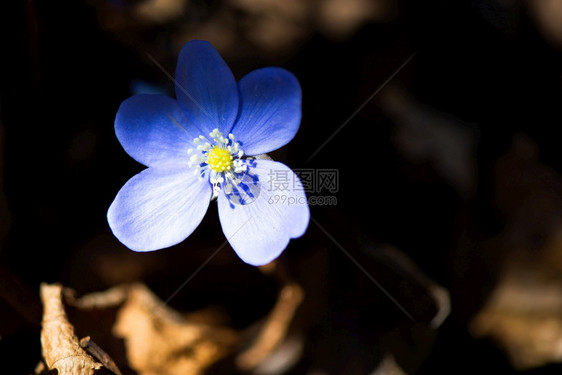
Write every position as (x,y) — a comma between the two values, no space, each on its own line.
(158,208)
(153,130)
(261,229)
(270,110)
(206,88)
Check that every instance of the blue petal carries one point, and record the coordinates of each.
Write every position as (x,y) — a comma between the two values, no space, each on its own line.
(205,88)
(158,208)
(261,229)
(270,111)
(153,130)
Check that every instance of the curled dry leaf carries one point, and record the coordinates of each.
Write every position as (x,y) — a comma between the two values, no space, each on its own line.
(158,340)
(60,347)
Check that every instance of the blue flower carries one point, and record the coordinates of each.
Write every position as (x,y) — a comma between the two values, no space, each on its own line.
(209,143)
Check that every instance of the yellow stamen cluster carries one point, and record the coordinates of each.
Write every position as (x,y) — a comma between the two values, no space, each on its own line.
(219,159)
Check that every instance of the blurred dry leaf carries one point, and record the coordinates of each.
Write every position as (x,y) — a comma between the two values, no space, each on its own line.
(524,312)
(339,19)
(160,11)
(158,340)
(283,357)
(273,25)
(388,366)
(270,29)
(548,16)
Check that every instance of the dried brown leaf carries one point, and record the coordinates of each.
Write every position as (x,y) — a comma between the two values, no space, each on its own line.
(158,340)
(60,347)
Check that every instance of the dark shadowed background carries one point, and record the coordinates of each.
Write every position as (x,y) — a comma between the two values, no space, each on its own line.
(452,166)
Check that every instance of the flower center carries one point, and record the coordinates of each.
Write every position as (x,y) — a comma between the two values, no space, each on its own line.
(219,159)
